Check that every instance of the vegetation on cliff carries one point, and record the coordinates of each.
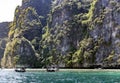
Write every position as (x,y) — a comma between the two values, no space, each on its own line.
(69,33)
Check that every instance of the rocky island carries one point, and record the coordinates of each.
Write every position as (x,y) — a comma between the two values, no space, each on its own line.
(67,33)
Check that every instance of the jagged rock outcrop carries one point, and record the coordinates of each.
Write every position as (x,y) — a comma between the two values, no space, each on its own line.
(87,35)
(42,8)
(4,29)
(102,46)
(19,51)
(25,34)
(65,30)
(106,26)
(79,33)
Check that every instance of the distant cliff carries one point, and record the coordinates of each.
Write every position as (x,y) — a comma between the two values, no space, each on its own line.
(4,29)
(69,33)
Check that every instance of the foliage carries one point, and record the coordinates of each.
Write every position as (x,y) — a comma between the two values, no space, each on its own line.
(110,57)
(16,59)
(89,16)
(67,37)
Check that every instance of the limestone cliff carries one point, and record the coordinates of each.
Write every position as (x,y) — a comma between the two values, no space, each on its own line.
(84,33)
(106,25)
(69,33)
(25,34)
(42,8)
(65,29)
(4,29)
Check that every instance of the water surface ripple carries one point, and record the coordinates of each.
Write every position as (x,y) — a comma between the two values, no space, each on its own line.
(9,76)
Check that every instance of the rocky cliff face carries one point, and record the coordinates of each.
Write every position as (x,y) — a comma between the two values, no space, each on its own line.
(85,33)
(3,37)
(25,34)
(42,7)
(106,26)
(65,29)
(79,33)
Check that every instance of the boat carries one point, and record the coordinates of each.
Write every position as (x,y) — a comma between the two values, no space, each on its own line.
(52,69)
(20,69)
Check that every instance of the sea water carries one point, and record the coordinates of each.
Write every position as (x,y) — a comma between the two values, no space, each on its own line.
(10,76)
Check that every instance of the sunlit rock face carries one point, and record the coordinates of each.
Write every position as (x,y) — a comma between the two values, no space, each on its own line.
(19,52)
(66,30)
(94,39)
(25,33)
(61,25)
(76,33)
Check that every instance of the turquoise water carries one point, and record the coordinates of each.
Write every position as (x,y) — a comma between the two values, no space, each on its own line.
(9,76)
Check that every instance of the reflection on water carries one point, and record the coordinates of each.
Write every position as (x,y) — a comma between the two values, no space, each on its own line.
(9,76)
